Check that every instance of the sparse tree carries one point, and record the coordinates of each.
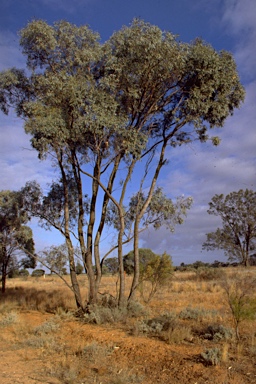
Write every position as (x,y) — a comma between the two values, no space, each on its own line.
(237,237)
(157,271)
(239,290)
(55,258)
(101,111)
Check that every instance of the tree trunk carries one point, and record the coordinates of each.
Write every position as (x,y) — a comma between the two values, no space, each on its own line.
(73,276)
(92,297)
(136,276)
(103,219)
(3,279)
(121,298)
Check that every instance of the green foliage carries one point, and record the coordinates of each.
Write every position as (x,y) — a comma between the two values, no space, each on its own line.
(145,255)
(55,258)
(237,237)
(158,272)
(160,211)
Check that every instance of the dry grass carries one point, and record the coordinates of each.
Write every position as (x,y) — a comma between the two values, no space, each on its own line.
(195,305)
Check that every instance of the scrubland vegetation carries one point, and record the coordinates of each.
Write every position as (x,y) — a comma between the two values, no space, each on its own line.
(204,324)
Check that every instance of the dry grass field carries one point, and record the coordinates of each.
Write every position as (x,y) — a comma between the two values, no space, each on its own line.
(185,335)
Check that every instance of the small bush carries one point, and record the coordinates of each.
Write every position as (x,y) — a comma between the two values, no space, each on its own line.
(165,327)
(157,325)
(211,356)
(9,319)
(94,352)
(109,312)
(47,327)
(218,333)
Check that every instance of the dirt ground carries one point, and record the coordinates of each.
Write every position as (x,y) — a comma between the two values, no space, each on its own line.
(72,352)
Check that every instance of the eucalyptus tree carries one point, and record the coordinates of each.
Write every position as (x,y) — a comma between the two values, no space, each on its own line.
(101,111)
(16,238)
(237,237)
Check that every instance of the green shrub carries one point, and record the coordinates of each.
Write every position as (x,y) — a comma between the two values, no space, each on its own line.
(38,273)
(239,290)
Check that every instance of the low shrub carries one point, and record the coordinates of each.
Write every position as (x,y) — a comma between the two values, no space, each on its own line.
(108,312)
(211,356)
(165,327)
(47,327)
(9,319)
(218,333)
(207,274)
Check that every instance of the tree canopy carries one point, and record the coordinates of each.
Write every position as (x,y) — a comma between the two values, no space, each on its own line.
(102,111)
(237,237)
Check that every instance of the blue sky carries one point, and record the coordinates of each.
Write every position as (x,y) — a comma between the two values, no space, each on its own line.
(197,170)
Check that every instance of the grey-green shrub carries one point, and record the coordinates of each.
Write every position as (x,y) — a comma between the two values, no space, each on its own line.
(218,333)
(212,356)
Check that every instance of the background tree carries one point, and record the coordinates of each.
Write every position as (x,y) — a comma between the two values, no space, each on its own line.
(55,258)
(16,238)
(101,111)
(145,255)
(79,268)
(237,237)
(111,264)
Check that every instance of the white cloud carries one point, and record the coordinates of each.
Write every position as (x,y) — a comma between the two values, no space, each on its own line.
(239,20)
(19,163)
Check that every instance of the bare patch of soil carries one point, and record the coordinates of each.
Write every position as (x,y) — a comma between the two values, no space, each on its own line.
(143,359)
